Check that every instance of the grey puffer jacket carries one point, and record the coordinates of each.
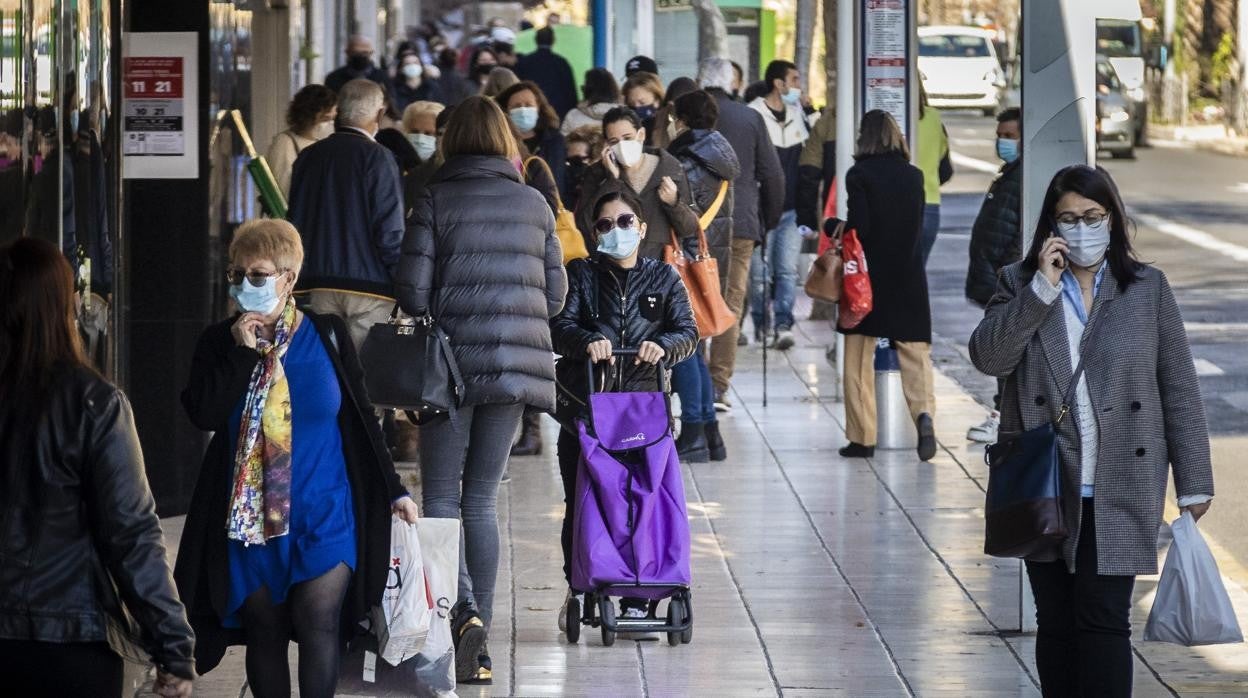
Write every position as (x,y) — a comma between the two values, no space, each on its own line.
(480,252)
(708,160)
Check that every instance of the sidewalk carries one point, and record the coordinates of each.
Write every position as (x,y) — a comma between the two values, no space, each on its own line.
(813,575)
(1211,137)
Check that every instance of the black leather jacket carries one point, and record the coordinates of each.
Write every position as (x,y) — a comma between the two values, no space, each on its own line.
(653,306)
(78,529)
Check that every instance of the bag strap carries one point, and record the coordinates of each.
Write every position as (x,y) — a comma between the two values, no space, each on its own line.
(713,209)
(549,173)
(1069,397)
(294,142)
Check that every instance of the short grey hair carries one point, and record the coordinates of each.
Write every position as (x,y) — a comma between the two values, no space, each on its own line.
(359,101)
(716,72)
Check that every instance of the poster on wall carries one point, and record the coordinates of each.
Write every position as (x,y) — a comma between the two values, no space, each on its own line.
(160,129)
(886,59)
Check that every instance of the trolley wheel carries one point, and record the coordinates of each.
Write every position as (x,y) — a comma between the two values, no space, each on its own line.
(573,619)
(608,615)
(675,616)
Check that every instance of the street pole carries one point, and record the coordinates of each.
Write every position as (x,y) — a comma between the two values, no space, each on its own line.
(1059,105)
(846,128)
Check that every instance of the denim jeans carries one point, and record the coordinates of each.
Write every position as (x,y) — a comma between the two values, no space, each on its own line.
(931,226)
(460,468)
(691,379)
(783,245)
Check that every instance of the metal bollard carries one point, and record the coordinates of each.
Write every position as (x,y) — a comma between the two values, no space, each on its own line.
(895,429)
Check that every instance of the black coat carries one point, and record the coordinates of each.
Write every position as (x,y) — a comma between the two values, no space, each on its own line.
(220,373)
(337,79)
(708,160)
(758,191)
(553,74)
(660,218)
(481,253)
(346,200)
(455,88)
(549,145)
(997,236)
(654,307)
(403,95)
(79,535)
(886,208)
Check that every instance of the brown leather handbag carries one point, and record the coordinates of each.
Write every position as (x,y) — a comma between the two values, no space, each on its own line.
(701,275)
(826,274)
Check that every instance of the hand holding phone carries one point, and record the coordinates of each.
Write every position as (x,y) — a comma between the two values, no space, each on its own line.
(1052,260)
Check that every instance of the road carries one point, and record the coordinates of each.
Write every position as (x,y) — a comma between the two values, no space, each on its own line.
(1191,213)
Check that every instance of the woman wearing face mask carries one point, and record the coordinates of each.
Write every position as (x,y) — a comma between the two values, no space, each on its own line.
(709,163)
(602,94)
(1080,308)
(661,137)
(310,118)
(420,125)
(411,83)
(584,149)
(537,125)
(652,175)
(617,299)
(643,93)
(483,61)
(292,507)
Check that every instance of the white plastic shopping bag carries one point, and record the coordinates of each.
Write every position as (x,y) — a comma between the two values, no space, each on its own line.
(439,545)
(407,604)
(1191,607)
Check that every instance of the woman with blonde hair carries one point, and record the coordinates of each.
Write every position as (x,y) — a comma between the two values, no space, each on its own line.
(288,533)
(643,93)
(886,209)
(481,258)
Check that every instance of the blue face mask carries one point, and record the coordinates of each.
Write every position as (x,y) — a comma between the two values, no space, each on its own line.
(256,299)
(793,96)
(525,118)
(647,112)
(1007,149)
(424,144)
(620,243)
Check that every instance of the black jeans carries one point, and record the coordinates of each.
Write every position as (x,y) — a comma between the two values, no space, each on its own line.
(55,669)
(1083,639)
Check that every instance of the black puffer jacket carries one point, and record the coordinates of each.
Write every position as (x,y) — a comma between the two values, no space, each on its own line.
(654,307)
(481,253)
(79,535)
(997,236)
(708,159)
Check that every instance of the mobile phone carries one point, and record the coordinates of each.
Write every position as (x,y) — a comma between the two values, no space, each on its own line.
(1061,262)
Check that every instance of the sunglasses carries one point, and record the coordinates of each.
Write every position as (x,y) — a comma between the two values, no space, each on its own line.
(623,221)
(257,278)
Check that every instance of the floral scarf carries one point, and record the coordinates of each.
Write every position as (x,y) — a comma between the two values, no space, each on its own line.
(260,497)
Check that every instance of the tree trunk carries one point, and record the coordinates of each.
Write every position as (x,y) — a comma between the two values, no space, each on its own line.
(830,47)
(805,38)
(712,31)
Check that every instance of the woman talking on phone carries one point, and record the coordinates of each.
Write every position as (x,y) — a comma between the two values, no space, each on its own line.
(1081,299)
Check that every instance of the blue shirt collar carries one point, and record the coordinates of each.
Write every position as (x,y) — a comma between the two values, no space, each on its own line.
(1072,294)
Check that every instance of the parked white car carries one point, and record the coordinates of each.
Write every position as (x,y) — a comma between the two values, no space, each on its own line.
(960,69)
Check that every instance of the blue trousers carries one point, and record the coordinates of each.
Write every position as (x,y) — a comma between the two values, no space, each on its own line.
(691,379)
(783,245)
(931,226)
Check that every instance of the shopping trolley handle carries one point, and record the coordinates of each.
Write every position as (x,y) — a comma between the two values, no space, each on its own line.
(660,368)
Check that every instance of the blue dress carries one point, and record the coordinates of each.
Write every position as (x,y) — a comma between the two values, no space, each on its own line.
(322,519)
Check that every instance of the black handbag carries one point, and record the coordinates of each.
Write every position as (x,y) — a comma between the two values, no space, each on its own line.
(408,365)
(1023,511)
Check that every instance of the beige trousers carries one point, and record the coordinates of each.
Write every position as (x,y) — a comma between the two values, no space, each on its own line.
(359,310)
(916,383)
(724,347)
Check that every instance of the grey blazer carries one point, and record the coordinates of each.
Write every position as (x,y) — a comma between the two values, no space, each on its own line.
(1144,391)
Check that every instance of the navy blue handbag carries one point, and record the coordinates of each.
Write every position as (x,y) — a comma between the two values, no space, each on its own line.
(1023,512)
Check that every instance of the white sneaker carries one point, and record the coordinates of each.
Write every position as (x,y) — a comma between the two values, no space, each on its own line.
(985,433)
(636,614)
(785,340)
(563,610)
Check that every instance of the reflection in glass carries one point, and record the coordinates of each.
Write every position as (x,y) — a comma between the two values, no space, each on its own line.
(13,159)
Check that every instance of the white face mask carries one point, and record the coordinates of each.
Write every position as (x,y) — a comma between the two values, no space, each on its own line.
(673,131)
(1087,243)
(628,153)
(412,70)
(424,144)
(322,129)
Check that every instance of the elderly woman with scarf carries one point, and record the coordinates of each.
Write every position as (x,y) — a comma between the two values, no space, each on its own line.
(288,531)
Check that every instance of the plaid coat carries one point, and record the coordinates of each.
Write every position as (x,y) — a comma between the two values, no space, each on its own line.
(1144,392)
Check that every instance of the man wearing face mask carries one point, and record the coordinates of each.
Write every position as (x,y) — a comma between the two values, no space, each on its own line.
(997,238)
(782,112)
(359,66)
(345,199)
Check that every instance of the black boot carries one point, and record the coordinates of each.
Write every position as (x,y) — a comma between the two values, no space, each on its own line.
(927,437)
(691,445)
(530,443)
(715,442)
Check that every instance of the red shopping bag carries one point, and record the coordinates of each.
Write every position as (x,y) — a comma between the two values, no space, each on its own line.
(856,300)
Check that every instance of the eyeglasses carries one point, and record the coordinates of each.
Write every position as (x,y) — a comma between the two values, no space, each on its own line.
(235,276)
(1092,219)
(606,225)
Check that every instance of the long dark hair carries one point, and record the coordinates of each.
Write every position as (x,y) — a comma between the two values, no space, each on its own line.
(37,328)
(1091,183)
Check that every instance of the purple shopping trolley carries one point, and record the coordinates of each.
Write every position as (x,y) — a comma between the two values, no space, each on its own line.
(630,531)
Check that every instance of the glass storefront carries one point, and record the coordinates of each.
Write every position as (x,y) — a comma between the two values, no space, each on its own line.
(59,156)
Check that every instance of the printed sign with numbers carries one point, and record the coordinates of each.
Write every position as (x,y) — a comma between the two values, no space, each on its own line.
(154,106)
